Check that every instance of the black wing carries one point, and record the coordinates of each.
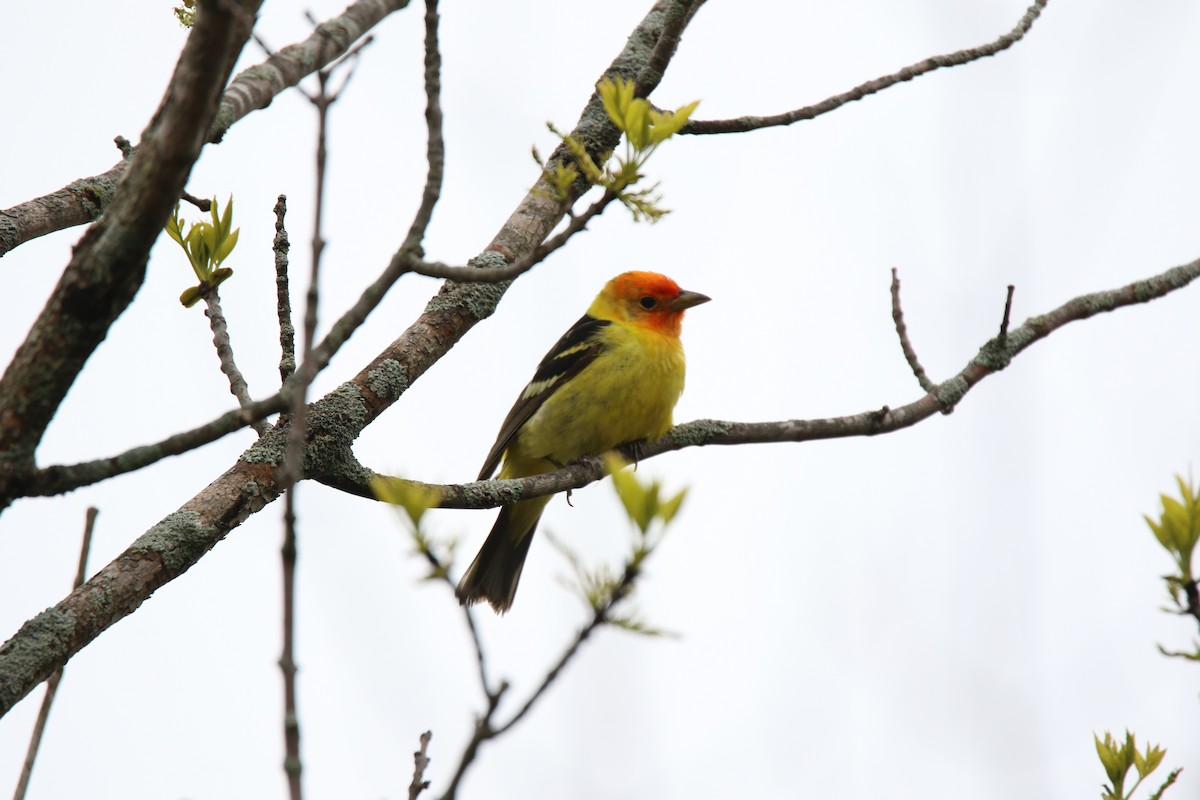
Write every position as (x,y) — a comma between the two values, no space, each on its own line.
(578,347)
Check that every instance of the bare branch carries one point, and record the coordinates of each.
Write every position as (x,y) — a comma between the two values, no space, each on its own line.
(751,123)
(521,265)
(180,539)
(486,730)
(420,762)
(404,258)
(441,571)
(910,355)
(109,264)
(993,356)
(39,726)
(283,294)
(253,89)
(224,347)
(58,479)
(292,766)
(1007,312)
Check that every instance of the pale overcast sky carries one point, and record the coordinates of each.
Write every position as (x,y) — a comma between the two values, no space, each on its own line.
(949,611)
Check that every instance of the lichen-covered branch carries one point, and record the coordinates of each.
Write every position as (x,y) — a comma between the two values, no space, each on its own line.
(167,550)
(224,347)
(992,357)
(109,264)
(955,59)
(253,89)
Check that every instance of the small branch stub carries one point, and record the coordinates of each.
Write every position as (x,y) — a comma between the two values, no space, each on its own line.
(420,762)
(1007,313)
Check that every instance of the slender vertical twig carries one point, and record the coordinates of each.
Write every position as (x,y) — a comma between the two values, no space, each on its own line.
(292,765)
(221,341)
(910,355)
(39,725)
(283,294)
(293,463)
(420,762)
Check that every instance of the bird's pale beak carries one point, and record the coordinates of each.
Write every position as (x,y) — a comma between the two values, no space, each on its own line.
(688,299)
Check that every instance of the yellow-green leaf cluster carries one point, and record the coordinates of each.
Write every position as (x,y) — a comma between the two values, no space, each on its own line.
(1178,528)
(414,497)
(644,127)
(186,13)
(1119,756)
(207,245)
(643,502)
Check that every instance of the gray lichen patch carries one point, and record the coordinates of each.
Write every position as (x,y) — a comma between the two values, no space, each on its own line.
(335,421)
(950,392)
(388,380)
(477,299)
(179,540)
(269,449)
(699,432)
(29,655)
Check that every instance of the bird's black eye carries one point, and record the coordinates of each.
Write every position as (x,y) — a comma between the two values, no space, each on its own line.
(648,302)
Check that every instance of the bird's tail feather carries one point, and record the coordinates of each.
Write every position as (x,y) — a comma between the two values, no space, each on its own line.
(496,570)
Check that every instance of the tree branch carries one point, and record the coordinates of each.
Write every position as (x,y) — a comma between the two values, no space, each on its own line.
(993,356)
(58,479)
(179,540)
(39,726)
(253,89)
(751,123)
(224,347)
(910,355)
(109,264)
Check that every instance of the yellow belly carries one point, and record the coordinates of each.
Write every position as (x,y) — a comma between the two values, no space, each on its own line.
(626,394)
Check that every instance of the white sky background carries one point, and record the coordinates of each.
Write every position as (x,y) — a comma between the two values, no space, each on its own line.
(950,611)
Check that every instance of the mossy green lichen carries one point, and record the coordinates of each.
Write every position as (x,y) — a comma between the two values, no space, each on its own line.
(335,421)
(699,432)
(950,392)
(270,449)
(477,299)
(388,380)
(179,540)
(35,650)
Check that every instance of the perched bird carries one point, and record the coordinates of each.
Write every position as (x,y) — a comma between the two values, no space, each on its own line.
(613,378)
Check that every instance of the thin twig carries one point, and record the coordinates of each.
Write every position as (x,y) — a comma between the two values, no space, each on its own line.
(221,341)
(420,762)
(283,294)
(292,765)
(178,541)
(500,274)
(39,725)
(59,478)
(442,571)
(750,123)
(293,462)
(408,253)
(198,202)
(435,145)
(485,730)
(910,355)
(993,357)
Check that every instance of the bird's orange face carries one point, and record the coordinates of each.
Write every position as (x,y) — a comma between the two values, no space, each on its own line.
(651,300)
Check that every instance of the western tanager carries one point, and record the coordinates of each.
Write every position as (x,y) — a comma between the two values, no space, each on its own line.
(613,378)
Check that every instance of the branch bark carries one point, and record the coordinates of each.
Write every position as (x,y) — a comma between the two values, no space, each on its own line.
(109,264)
(955,59)
(84,200)
(177,542)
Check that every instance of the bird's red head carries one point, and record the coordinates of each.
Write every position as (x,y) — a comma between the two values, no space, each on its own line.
(647,299)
